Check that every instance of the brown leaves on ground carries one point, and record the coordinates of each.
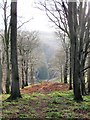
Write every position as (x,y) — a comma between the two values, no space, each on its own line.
(45,87)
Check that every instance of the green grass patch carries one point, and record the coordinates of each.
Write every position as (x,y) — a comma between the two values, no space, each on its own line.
(58,105)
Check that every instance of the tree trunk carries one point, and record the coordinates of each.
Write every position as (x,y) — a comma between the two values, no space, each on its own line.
(15,89)
(32,79)
(70,78)
(26,73)
(22,73)
(61,73)
(6,36)
(66,67)
(72,22)
(88,74)
(83,89)
(82,77)
(8,74)
(0,74)
(76,79)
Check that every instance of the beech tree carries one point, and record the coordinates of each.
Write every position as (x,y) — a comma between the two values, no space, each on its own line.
(6,41)
(80,20)
(88,78)
(63,39)
(0,74)
(15,88)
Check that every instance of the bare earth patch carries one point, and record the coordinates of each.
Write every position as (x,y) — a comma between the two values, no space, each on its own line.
(45,87)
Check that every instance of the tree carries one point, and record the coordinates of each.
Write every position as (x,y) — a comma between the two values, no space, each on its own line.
(79,43)
(15,89)
(73,18)
(65,43)
(0,74)
(6,35)
(2,60)
(6,41)
(28,43)
(88,78)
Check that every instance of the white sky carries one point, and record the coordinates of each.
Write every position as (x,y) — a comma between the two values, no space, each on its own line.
(26,11)
(39,22)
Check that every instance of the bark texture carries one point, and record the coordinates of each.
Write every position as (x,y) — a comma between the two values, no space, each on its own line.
(15,90)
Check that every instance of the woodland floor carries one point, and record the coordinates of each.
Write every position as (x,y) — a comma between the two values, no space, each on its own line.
(46,100)
(46,87)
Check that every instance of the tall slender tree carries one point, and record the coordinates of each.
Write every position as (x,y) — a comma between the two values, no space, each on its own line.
(0,74)
(6,40)
(72,21)
(6,37)
(15,89)
(88,74)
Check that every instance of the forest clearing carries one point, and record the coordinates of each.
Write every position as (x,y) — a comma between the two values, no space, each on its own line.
(51,103)
(45,59)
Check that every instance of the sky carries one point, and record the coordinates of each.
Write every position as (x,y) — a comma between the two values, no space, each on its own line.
(39,21)
(26,11)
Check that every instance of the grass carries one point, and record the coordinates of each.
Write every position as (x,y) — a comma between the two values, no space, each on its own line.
(58,105)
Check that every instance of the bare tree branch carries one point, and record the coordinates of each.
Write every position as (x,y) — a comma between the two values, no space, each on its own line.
(24,23)
(85,69)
